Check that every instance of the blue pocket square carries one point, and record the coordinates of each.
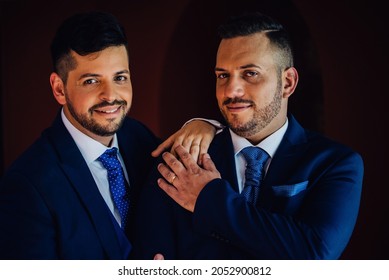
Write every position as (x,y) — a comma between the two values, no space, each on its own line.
(289,190)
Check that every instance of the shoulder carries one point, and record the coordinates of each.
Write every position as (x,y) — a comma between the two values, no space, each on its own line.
(321,142)
(323,154)
(137,135)
(312,149)
(38,161)
(135,128)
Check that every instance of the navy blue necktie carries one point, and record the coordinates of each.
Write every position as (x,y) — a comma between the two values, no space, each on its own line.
(117,183)
(256,159)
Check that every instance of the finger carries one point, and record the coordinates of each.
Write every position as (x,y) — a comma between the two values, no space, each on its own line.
(195,151)
(186,142)
(204,145)
(174,193)
(191,144)
(163,146)
(173,163)
(208,164)
(170,190)
(178,140)
(187,160)
(167,173)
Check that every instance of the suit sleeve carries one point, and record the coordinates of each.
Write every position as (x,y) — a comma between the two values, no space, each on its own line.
(319,229)
(27,230)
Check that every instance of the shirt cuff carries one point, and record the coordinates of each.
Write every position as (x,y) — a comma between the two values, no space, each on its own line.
(219,127)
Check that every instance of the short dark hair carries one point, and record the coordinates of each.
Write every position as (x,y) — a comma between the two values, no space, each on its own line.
(84,33)
(256,22)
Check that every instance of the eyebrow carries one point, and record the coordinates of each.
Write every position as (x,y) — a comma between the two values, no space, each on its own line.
(86,75)
(251,65)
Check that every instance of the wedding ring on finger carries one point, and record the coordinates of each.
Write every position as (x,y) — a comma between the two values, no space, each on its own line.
(173,178)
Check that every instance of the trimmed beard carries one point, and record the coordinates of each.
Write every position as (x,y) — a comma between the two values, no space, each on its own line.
(91,125)
(262,116)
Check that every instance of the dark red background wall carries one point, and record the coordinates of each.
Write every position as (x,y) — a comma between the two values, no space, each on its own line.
(342,58)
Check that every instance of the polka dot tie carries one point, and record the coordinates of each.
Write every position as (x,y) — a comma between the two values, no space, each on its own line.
(117,183)
(256,159)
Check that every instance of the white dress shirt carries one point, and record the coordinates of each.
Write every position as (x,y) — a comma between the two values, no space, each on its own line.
(91,150)
(269,144)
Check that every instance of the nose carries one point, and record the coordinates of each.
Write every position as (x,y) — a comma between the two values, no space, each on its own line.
(233,88)
(108,92)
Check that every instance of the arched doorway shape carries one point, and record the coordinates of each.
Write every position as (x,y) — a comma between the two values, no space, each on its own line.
(188,82)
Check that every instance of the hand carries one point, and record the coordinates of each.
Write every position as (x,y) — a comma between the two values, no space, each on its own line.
(195,136)
(159,257)
(186,178)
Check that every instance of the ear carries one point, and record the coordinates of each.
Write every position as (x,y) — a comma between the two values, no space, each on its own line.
(290,79)
(58,88)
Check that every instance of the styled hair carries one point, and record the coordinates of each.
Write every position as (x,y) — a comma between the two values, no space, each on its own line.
(84,33)
(251,23)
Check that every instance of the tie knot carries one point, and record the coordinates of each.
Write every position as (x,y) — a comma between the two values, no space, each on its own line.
(255,155)
(109,159)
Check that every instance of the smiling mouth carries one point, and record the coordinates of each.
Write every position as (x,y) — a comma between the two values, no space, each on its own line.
(237,104)
(108,107)
(111,111)
(238,107)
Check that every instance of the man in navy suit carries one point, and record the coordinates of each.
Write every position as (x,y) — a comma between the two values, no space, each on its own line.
(309,198)
(55,201)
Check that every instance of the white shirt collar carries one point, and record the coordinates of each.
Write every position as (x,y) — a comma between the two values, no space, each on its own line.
(269,144)
(89,148)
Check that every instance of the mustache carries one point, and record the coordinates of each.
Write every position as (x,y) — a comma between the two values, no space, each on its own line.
(106,103)
(237,100)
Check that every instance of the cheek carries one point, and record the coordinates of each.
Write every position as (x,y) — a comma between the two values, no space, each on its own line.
(82,104)
(125,92)
(219,95)
(127,96)
(220,100)
(129,101)
(260,93)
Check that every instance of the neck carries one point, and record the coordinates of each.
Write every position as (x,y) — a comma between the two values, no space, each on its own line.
(272,127)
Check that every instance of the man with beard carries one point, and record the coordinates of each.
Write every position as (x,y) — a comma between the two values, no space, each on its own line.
(273,190)
(73,193)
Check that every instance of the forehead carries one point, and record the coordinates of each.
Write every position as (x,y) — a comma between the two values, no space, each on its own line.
(243,50)
(110,57)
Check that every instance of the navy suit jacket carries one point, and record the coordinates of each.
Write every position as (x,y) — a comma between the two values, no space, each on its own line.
(307,209)
(50,206)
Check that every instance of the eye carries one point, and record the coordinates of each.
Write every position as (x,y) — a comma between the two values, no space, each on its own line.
(121,78)
(251,73)
(90,82)
(221,76)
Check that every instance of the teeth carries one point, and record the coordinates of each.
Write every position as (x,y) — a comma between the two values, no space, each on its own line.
(111,111)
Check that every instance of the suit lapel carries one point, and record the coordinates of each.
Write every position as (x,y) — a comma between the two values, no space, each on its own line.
(78,173)
(222,154)
(291,148)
